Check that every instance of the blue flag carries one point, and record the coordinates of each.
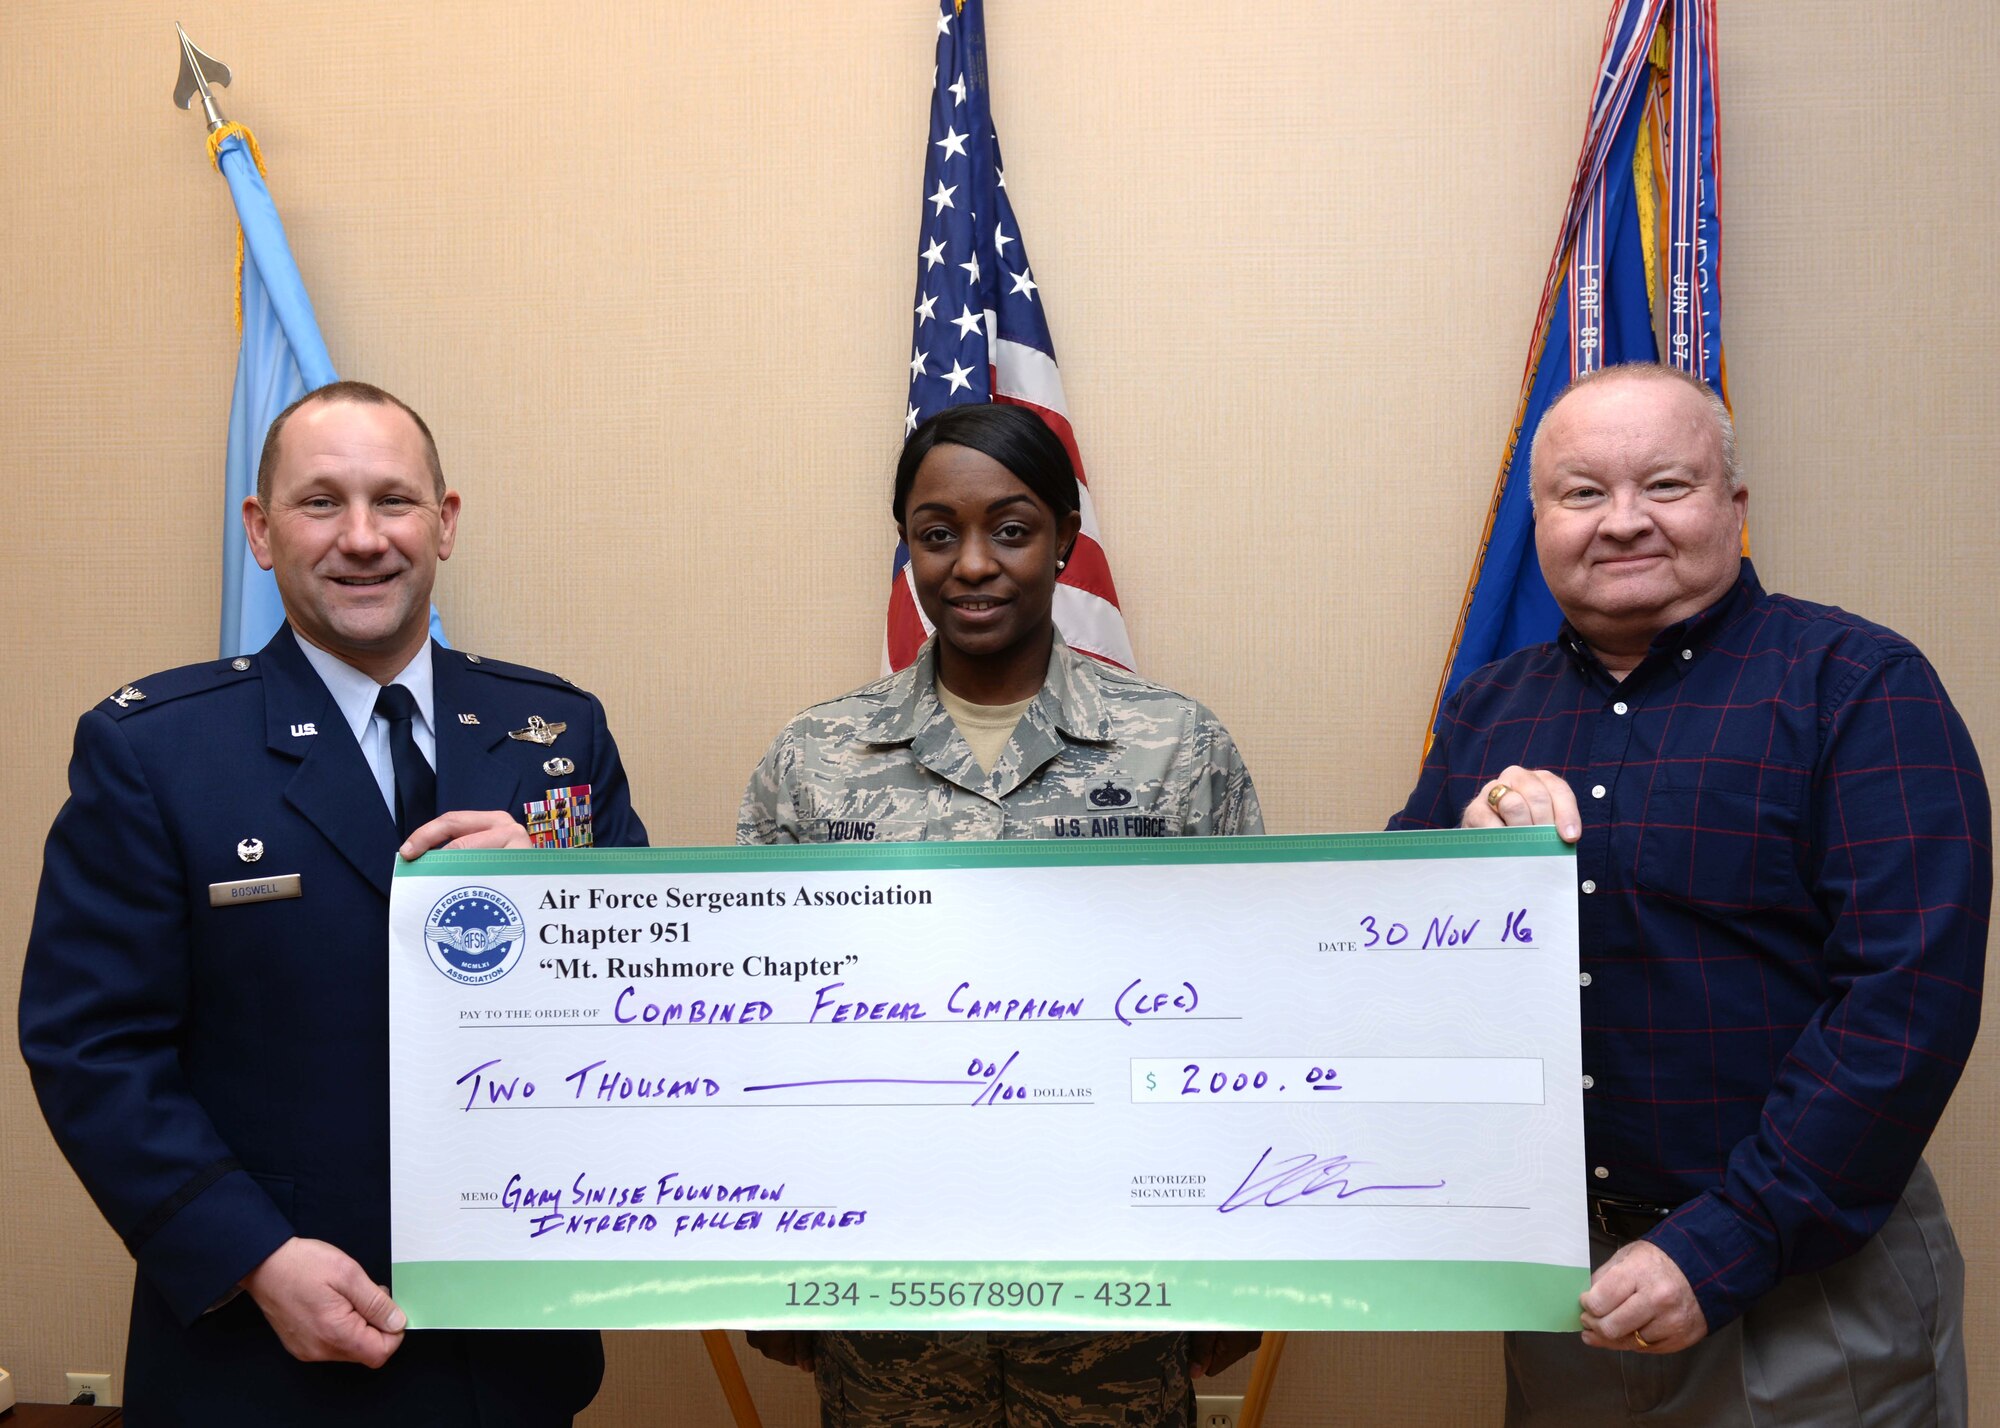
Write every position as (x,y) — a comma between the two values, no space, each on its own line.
(1636,278)
(282,358)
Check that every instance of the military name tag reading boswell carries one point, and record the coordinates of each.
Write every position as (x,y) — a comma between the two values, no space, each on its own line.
(265,889)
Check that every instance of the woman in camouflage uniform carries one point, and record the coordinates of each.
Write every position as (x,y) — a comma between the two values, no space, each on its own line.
(998,730)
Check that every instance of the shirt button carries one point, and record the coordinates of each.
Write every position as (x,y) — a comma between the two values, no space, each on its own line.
(1590,885)
(1597,791)
(1588,1082)
(1583,978)
(1601,1173)
(1619,707)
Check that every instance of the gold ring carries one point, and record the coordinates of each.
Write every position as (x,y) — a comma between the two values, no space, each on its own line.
(1495,794)
(1639,1341)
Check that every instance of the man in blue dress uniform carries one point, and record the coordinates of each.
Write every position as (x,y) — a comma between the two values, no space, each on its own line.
(204,1008)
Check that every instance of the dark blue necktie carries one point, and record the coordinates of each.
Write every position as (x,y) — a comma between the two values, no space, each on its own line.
(416,781)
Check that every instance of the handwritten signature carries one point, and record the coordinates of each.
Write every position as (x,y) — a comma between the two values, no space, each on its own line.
(1297,1176)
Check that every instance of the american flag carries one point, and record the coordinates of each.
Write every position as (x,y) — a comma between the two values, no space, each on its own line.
(981,334)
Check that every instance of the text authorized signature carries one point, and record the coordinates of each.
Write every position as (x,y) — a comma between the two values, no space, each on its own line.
(1295,1177)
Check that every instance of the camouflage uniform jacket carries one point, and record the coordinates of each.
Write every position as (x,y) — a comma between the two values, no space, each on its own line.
(1101,753)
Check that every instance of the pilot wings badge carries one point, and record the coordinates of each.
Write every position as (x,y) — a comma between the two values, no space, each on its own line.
(539,731)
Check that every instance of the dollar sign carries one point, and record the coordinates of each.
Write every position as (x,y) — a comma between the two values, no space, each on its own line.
(1152,1082)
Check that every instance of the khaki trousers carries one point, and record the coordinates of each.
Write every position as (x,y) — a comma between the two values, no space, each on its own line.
(1871,1342)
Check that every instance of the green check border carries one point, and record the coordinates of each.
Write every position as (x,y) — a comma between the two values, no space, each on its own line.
(1399,1295)
(1007,853)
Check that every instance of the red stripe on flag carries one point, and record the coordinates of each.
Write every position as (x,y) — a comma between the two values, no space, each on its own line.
(1089,571)
(1059,424)
(906,630)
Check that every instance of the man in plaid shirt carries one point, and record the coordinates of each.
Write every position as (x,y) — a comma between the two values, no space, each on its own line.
(1784,863)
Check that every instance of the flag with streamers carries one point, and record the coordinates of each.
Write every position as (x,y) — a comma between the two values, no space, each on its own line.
(1636,277)
(981,333)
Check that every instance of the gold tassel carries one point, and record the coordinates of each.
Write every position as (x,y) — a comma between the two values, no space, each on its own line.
(215,141)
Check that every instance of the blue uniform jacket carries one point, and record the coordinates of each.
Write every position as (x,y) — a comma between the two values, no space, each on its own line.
(218,1076)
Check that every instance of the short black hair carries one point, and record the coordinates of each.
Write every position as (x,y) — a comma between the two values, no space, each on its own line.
(1013,436)
(365,394)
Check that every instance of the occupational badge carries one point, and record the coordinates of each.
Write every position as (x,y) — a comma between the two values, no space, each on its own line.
(250,849)
(558,766)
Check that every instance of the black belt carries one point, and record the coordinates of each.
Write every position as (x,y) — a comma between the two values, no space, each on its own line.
(1625,1220)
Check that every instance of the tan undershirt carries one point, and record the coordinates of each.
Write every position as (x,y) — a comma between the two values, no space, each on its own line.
(986,728)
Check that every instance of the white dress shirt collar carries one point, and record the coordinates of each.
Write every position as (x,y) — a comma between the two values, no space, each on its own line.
(355,694)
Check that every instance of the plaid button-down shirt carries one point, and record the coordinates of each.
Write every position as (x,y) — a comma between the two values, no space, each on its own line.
(1784,879)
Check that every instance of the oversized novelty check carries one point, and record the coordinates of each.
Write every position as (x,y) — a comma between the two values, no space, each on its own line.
(1272,1083)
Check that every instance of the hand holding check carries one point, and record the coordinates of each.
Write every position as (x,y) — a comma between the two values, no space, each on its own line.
(1522,797)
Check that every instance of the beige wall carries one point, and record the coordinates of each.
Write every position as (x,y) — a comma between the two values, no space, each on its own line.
(647,270)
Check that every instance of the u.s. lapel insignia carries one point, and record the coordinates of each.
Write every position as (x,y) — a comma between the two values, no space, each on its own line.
(539,731)
(125,696)
(558,766)
(250,849)
(468,718)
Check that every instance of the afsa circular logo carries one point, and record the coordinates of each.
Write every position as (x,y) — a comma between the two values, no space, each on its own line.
(474,936)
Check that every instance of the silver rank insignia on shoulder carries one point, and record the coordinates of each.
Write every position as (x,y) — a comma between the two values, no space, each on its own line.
(559,766)
(126,696)
(468,718)
(250,849)
(539,731)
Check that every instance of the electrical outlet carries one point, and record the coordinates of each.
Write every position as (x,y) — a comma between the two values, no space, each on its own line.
(97,1385)
(1218,1410)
